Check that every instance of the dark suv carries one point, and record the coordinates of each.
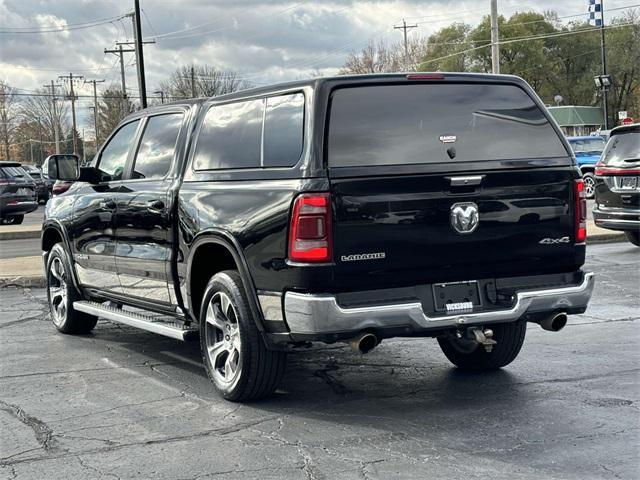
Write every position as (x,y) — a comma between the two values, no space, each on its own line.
(17,193)
(346,209)
(618,183)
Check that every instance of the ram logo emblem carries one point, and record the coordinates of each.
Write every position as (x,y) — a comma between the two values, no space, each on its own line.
(464,217)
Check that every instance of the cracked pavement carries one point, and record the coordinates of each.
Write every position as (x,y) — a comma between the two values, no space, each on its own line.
(122,403)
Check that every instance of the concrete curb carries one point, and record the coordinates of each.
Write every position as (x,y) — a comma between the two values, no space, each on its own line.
(19,234)
(30,281)
(606,238)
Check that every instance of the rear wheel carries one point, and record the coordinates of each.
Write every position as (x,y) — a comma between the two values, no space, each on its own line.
(61,293)
(471,356)
(13,220)
(589,185)
(235,356)
(634,237)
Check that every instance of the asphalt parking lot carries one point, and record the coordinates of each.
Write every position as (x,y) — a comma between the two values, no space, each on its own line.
(122,403)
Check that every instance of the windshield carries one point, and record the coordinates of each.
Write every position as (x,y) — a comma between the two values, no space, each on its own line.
(587,145)
(622,149)
(437,123)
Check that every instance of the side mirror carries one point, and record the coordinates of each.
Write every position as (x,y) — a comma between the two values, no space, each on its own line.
(63,167)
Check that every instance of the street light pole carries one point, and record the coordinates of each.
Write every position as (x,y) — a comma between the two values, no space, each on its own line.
(495,47)
(603,54)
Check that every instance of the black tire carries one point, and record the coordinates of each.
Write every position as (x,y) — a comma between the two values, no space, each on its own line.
(61,293)
(589,185)
(14,219)
(633,237)
(258,370)
(509,338)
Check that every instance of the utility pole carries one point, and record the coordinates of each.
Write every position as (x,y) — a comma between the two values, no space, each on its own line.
(603,54)
(495,38)
(40,156)
(72,96)
(56,131)
(193,82)
(404,27)
(137,36)
(95,108)
(119,51)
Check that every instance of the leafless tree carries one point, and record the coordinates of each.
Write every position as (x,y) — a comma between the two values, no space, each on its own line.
(201,80)
(39,110)
(383,57)
(8,115)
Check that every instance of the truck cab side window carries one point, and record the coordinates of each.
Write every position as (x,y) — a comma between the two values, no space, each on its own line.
(283,130)
(157,146)
(230,137)
(114,155)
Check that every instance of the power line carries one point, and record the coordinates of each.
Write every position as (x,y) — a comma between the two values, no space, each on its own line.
(61,29)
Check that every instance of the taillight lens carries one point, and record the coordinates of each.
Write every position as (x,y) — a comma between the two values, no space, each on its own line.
(580,214)
(602,170)
(310,238)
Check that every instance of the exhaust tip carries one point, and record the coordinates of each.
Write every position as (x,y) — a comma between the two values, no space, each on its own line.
(364,343)
(555,322)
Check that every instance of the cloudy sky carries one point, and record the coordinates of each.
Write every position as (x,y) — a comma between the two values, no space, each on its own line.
(265,40)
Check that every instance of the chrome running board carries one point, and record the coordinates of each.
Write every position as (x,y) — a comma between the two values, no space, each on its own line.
(163,325)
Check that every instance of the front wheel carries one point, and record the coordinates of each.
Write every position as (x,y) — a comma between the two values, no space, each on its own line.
(234,354)
(633,237)
(474,358)
(589,185)
(61,293)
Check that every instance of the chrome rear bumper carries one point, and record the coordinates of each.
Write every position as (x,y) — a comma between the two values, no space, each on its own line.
(319,314)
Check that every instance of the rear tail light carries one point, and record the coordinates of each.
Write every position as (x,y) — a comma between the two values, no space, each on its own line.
(603,171)
(580,213)
(60,188)
(310,238)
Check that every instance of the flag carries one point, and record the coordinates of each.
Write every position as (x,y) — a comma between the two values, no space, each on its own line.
(595,13)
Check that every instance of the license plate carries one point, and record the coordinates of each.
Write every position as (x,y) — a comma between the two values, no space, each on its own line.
(456,297)
(629,183)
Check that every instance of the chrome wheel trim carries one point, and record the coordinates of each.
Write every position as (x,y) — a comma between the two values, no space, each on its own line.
(589,186)
(222,337)
(57,291)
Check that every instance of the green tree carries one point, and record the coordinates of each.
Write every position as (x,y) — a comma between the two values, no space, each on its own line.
(446,50)
(112,108)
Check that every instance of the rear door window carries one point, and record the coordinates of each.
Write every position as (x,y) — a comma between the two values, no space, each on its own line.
(437,123)
(158,143)
(283,130)
(230,137)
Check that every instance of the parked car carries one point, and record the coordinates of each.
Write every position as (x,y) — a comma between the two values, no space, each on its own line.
(42,184)
(346,209)
(17,193)
(617,205)
(587,151)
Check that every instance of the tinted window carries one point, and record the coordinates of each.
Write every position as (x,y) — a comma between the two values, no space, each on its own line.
(158,143)
(230,137)
(114,154)
(622,148)
(409,124)
(12,172)
(283,134)
(587,145)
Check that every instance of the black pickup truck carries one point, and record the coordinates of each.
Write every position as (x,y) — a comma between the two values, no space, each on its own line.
(345,209)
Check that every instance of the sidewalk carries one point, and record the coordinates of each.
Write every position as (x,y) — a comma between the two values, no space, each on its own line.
(15,232)
(28,271)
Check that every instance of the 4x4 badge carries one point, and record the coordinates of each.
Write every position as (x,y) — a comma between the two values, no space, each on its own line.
(464,217)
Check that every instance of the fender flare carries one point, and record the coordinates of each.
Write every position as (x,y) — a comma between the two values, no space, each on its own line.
(223,238)
(53,224)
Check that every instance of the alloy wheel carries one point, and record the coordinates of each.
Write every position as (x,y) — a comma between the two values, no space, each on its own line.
(57,291)
(222,335)
(589,186)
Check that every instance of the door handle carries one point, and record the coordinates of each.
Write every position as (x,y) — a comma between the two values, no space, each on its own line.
(108,204)
(155,205)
